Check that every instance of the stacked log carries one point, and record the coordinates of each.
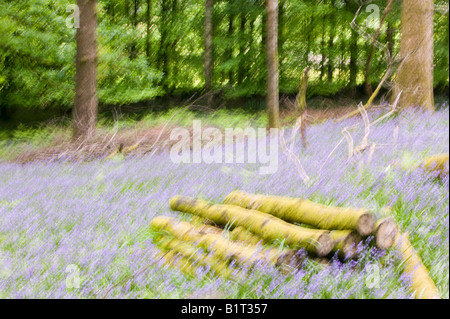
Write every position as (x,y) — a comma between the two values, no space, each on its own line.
(221,247)
(303,211)
(266,226)
(249,228)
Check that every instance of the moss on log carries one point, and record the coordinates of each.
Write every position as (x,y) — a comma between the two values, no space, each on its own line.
(422,285)
(243,235)
(306,212)
(436,163)
(224,248)
(172,258)
(384,233)
(192,257)
(345,243)
(266,226)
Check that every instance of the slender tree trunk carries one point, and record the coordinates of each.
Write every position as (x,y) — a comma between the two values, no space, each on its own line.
(342,56)
(134,53)
(390,38)
(85,103)
(230,50)
(353,62)
(272,63)
(322,49)
(330,66)
(309,36)
(415,75)
(147,36)
(162,52)
(172,48)
(209,50)
(367,85)
(242,47)
(281,38)
(263,77)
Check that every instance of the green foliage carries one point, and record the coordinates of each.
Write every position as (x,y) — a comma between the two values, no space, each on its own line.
(141,58)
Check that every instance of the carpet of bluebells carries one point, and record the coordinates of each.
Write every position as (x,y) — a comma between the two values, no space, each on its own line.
(91,219)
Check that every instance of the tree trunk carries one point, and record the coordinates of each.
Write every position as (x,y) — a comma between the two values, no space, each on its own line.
(242,47)
(367,85)
(209,51)
(390,38)
(272,63)
(147,36)
(353,62)
(162,52)
(85,103)
(330,66)
(322,49)
(230,50)
(134,50)
(281,38)
(415,75)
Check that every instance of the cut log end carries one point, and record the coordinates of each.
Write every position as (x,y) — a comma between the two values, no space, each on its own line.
(324,245)
(350,249)
(385,234)
(177,201)
(366,224)
(289,261)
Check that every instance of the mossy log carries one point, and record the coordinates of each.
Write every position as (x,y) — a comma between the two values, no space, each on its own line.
(436,163)
(172,258)
(384,233)
(422,285)
(243,235)
(345,243)
(224,248)
(266,226)
(303,211)
(192,257)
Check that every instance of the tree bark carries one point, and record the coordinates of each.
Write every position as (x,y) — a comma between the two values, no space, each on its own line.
(272,63)
(209,51)
(85,103)
(415,75)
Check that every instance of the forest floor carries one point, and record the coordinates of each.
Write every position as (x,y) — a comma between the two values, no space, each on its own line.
(51,140)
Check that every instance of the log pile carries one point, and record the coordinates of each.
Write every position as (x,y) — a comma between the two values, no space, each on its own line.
(248,229)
